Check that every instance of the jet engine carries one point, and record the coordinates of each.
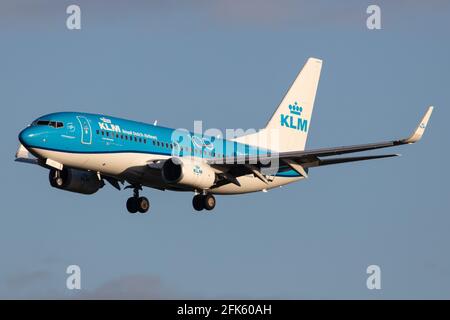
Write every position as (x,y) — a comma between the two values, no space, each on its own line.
(79,181)
(188,172)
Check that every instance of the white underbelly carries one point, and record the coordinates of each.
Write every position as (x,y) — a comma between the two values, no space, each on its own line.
(108,163)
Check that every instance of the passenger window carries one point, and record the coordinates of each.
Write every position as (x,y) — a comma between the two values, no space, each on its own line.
(140,140)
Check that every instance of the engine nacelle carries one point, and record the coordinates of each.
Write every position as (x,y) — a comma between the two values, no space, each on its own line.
(79,181)
(188,172)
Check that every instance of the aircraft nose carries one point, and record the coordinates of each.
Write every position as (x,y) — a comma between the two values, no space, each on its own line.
(24,136)
(28,136)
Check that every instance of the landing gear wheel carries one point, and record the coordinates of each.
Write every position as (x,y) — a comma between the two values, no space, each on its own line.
(137,203)
(132,205)
(209,202)
(197,202)
(143,204)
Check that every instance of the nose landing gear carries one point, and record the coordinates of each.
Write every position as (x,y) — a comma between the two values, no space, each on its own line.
(137,203)
(204,201)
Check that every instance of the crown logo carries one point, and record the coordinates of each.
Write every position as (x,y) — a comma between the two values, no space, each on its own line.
(295,109)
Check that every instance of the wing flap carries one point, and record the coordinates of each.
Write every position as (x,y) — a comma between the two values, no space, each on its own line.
(325,162)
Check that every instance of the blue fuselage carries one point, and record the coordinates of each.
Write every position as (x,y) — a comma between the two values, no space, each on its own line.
(118,147)
(91,133)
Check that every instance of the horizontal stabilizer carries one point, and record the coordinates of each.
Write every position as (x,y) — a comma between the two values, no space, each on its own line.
(296,167)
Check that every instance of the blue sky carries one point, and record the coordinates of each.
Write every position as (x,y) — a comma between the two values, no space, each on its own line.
(228,63)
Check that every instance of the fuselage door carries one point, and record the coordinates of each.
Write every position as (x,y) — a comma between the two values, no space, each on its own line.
(86,131)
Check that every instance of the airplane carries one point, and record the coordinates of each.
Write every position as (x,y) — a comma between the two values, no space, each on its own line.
(83,150)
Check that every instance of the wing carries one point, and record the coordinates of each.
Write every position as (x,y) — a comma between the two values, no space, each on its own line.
(300,161)
(22,155)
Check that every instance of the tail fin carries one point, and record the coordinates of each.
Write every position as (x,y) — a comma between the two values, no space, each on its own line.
(292,118)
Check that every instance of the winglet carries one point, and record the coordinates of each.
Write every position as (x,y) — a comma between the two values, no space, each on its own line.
(420,128)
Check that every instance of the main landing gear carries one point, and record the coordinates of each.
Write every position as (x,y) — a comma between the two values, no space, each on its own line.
(203,201)
(136,203)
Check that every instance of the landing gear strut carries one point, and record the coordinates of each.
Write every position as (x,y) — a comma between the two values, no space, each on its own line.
(203,201)
(136,203)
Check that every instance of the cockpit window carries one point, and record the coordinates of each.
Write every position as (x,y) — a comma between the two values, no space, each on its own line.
(54,124)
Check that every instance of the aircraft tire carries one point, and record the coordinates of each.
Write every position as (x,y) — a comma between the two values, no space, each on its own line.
(143,204)
(197,202)
(209,202)
(132,205)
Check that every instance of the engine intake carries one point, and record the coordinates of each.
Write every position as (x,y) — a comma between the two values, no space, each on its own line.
(188,172)
(74,180)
